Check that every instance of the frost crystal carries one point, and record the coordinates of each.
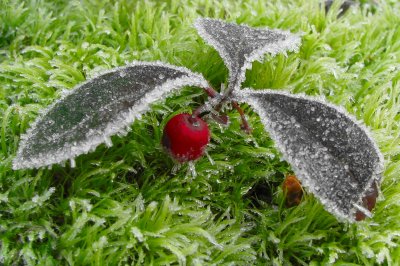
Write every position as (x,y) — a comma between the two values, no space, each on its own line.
(95,110)
(240,45)
(137,233)
(331,153)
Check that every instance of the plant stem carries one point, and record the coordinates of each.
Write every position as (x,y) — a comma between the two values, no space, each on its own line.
(217,105)
(245,125)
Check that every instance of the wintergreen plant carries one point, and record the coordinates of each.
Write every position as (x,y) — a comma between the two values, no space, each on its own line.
(332,154)
(85,215)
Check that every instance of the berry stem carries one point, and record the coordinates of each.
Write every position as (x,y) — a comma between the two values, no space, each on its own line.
(211,92)
(208,106)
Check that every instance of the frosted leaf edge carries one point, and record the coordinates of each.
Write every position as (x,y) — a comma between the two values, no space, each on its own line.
(243,96)
(119,126)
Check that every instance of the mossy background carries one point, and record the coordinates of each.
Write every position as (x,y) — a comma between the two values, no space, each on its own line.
(124,204)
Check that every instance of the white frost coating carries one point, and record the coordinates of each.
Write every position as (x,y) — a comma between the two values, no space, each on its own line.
(103,241)
(137,233)
(93,139)
(72,163)
(363,210)
(291,42)
(39,200)
(213,42)
(248,96)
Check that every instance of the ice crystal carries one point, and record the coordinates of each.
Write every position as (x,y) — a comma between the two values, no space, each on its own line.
(331,153)
(240,45)
(95,110)
(137,233)
(100,244)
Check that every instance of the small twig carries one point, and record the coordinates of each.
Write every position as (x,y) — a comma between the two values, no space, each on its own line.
(217,107)
(211,92)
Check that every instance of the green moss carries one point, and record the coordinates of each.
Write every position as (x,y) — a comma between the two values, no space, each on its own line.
(124,204)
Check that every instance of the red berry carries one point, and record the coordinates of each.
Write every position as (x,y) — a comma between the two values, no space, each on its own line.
(185,137)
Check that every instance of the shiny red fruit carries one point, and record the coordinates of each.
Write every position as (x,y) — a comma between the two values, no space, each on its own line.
(185,137)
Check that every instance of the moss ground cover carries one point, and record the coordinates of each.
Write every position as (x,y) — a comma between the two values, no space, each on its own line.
(127,204)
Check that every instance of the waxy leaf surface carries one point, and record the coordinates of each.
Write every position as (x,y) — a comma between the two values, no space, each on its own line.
(330,152)
(240,45)
(94,111)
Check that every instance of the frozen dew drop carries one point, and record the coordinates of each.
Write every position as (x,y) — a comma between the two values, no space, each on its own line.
(192,169)
(122,74)
(72,163)
(138,234)
(85,45)
(211,160)
(108,142)
(176,168)
(35,199)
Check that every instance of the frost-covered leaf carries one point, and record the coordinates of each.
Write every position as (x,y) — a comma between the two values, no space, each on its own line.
(240,45)
(343,7)
(330,152)
(95,110)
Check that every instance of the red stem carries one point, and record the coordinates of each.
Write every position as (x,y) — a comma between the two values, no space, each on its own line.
(245,125)
(213,93)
